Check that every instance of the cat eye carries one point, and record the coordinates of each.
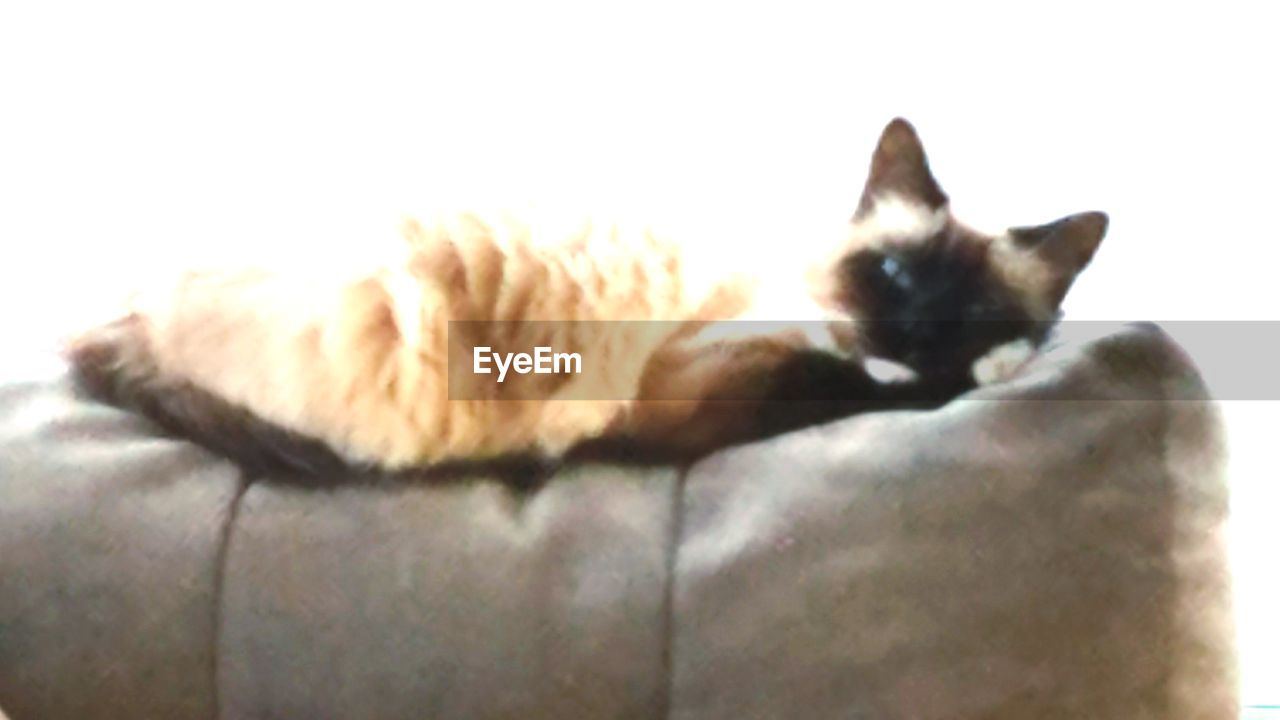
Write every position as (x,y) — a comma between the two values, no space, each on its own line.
(893,270)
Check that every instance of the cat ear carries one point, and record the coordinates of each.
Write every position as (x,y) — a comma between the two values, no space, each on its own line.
(899,167)
(1063,246)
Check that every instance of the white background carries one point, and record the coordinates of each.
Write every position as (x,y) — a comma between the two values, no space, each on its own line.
(134,137)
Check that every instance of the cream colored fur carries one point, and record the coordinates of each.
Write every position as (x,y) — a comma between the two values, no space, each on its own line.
(362,363)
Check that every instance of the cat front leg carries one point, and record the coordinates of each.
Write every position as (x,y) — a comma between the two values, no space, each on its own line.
(699,401)
(811,387)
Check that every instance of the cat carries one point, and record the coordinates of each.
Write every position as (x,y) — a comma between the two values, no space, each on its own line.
(374,370)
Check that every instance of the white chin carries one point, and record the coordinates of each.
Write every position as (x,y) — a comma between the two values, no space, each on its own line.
(887,372)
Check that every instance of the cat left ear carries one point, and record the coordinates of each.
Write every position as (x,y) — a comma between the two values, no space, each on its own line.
(1064,246)
(899,167)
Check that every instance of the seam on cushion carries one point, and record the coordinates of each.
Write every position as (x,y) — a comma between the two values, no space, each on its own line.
(219,580)
(674,538)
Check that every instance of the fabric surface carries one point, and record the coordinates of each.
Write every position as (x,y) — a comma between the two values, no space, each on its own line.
(1047,548)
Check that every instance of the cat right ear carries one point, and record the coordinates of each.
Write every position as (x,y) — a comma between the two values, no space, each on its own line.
(1064,246)
(899,168)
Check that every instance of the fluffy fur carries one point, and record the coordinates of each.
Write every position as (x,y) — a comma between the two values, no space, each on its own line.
(265,366)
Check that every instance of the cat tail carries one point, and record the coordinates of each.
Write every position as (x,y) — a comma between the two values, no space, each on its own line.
(114,363)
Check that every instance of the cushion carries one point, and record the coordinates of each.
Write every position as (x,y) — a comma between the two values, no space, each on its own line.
(1051,547)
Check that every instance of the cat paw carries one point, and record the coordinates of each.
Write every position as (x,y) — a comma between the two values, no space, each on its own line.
(888,372)
(1002,362)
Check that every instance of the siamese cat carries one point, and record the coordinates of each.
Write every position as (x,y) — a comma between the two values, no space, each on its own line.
(381,369)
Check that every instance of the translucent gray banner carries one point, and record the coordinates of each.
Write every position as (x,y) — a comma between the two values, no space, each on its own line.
(609,360)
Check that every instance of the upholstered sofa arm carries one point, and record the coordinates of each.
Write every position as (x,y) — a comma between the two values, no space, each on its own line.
(1048,548)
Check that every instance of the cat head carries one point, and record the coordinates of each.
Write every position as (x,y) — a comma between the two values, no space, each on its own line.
(929,292)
